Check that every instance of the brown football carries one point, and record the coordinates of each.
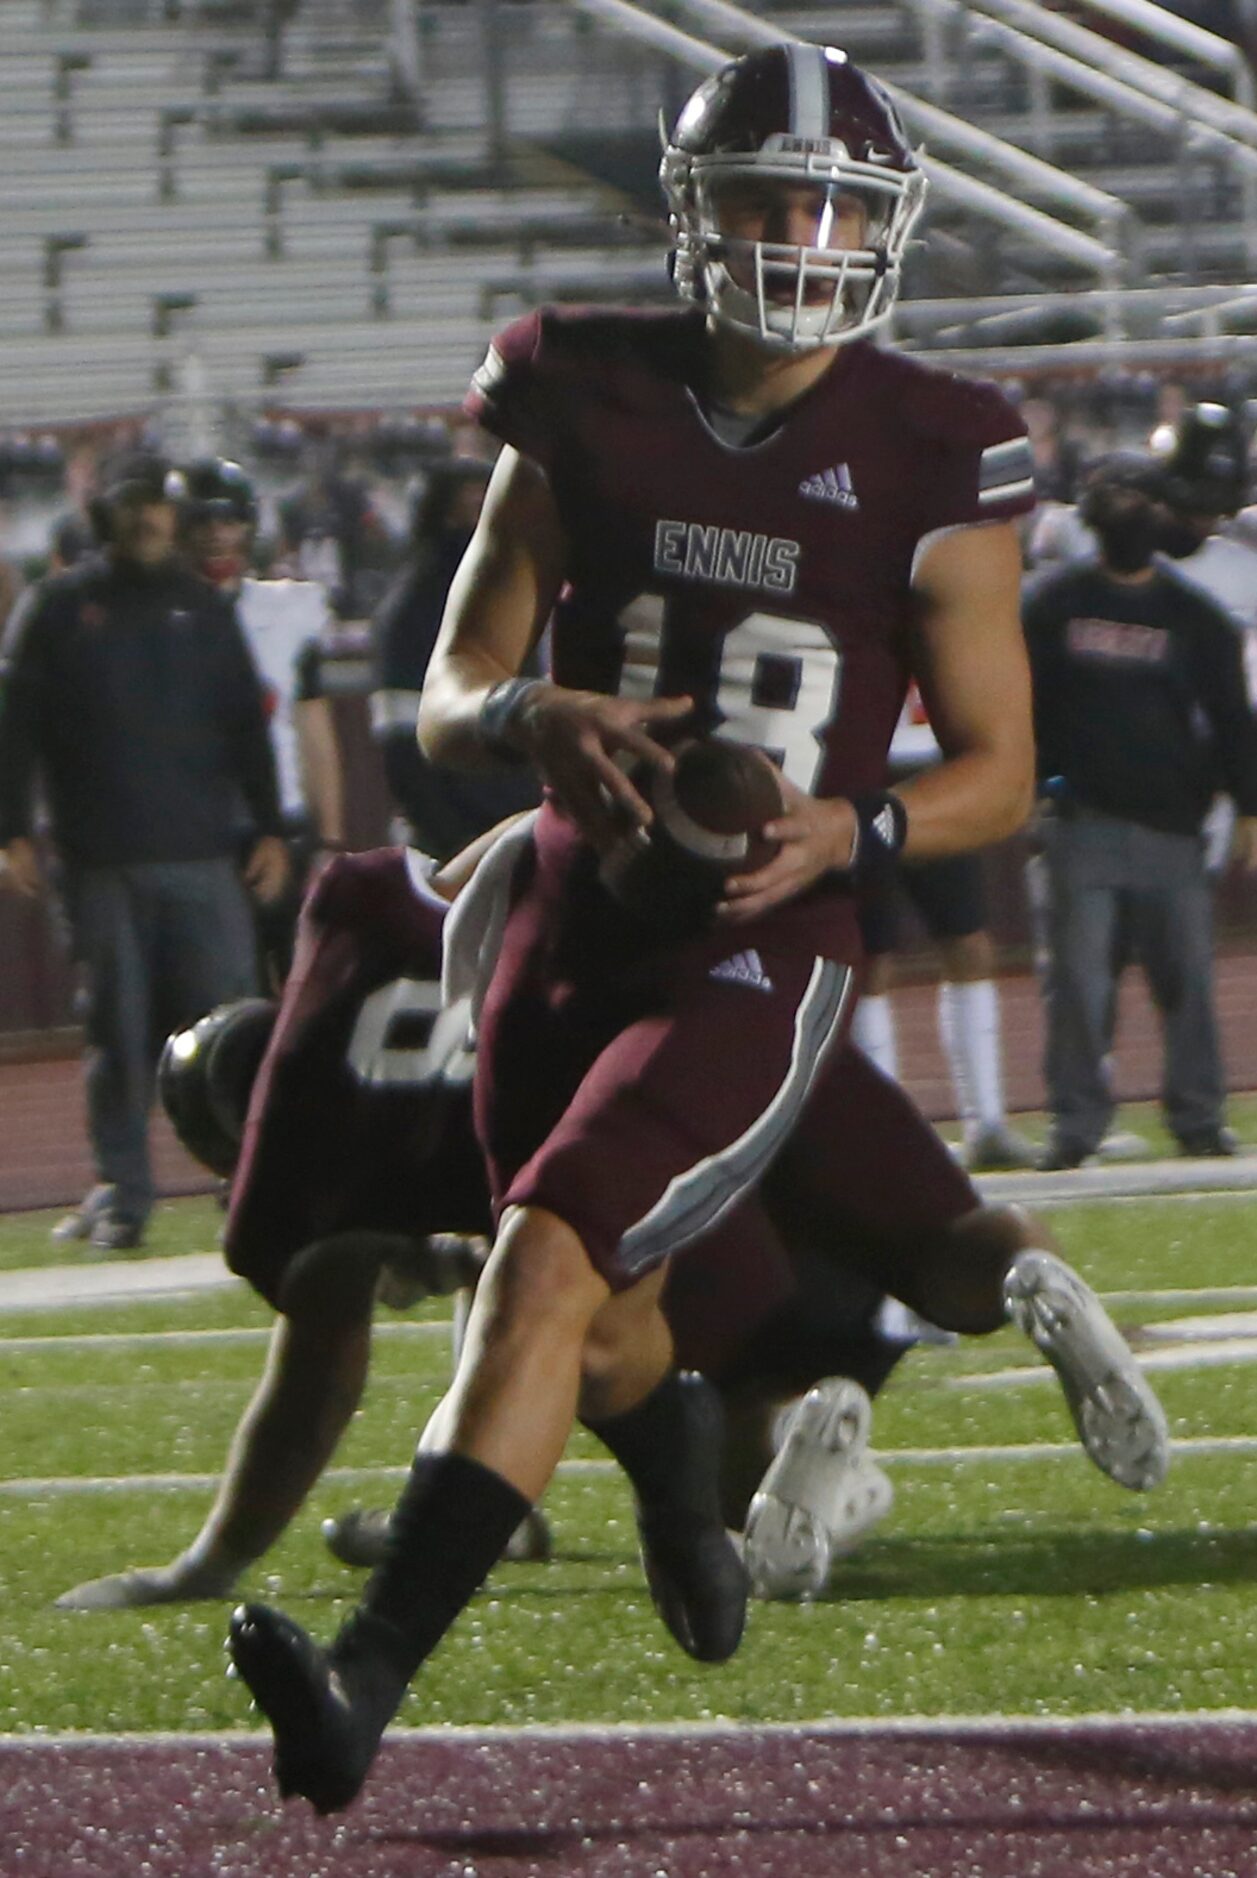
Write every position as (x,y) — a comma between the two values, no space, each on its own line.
(716,801)
(709,823)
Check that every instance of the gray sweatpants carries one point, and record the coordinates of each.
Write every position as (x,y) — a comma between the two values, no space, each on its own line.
(1117,891)
(160,943)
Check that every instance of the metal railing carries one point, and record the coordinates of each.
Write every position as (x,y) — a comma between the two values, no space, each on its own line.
(1204,108)
(1100,257)
(1196,121)
(1184,38)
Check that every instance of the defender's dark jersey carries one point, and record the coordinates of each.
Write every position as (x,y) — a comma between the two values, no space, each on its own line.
(353,1125)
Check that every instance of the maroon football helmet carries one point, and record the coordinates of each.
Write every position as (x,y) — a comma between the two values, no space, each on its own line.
(800,118)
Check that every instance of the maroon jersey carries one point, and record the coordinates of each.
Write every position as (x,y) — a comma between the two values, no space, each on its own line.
(769,581)
(353,1125)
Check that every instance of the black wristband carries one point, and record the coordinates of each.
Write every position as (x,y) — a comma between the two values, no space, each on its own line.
(881,828)
(500,714)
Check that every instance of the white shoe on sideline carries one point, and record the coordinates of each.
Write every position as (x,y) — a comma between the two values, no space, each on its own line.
(820,1496)
(1121,1145)
(996,1148)
(1119,1420)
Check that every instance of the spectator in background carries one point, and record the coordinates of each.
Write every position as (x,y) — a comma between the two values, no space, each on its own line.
(10,588)
(1140,712)
(128,692)
(949,899)
(1204,484)
(283,623)
(1056,457)
(444,808)
(70,541)
(326,528)
(71,537)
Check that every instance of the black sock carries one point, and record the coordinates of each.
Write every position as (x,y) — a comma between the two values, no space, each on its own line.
(448,1530)
(669,1445)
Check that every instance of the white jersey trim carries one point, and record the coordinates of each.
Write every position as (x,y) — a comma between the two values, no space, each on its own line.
(472,936)
(693,1202)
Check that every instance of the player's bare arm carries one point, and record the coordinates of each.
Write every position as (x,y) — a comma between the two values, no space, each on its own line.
(498,606)
(971,665)
(321,773)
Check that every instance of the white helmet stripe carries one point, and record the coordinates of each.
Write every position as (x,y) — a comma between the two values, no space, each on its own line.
(809,91)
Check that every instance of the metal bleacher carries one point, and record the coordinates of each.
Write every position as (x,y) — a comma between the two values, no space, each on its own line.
(178,179)
(162,194)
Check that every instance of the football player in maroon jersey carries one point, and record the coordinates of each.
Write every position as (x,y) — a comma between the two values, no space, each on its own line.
(741,517)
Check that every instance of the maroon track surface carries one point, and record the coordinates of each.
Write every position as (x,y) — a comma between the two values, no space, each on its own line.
(1105,1800)
(44,1155)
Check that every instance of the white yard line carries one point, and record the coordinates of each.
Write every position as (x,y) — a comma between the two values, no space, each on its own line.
(51,1486)
(121,1339)
(1207,1353)
(407,1327)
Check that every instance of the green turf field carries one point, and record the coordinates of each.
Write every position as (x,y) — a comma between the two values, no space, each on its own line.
(1020,1582)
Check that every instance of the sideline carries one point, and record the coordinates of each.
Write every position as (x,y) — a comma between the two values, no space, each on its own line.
(131,1281)
(716,1728)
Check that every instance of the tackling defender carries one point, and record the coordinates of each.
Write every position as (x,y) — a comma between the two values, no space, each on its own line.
(356,1177)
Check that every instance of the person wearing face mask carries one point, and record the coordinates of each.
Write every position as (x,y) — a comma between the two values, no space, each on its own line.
(1141,714)
(442,809)
(1212,536)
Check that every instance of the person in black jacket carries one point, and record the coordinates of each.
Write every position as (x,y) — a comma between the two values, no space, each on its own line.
(129,695)
(444,809)
(1141,714)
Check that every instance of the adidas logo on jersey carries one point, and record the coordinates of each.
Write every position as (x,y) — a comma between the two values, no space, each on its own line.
(744,968)
(831,485)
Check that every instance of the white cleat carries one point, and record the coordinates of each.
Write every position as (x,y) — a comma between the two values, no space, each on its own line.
(1119,1420)
(819,1498)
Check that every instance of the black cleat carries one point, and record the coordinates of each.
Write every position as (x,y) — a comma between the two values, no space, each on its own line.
(693,1568)
(696,1579)
(323,1748)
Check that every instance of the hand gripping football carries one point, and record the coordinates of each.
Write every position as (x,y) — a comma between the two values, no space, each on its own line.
(709,821)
